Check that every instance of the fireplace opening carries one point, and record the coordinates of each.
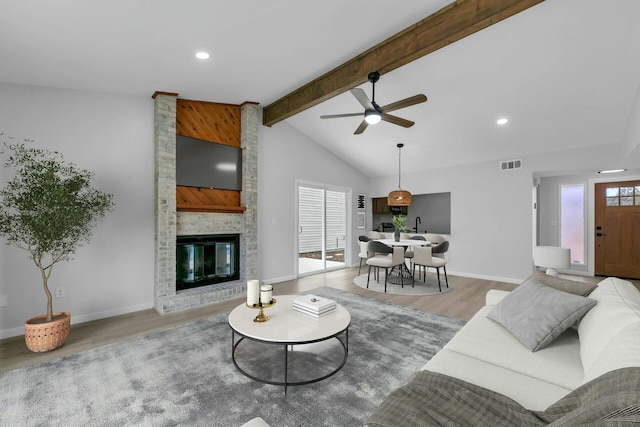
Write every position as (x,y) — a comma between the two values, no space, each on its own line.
(205,260)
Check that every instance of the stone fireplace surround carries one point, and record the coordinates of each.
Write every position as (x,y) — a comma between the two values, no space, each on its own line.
(169,223)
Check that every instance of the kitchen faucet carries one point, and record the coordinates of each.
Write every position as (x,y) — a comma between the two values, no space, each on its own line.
(418,220)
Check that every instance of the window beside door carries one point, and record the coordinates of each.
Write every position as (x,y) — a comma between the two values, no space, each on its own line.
(572,221)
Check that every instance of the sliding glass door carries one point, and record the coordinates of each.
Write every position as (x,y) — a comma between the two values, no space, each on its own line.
(322,229)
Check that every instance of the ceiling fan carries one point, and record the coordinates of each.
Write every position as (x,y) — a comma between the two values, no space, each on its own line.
(373,113)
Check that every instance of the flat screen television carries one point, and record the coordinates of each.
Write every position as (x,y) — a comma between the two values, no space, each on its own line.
(208,164)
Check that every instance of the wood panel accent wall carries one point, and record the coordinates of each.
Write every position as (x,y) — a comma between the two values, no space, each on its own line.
(216,123)
(195,199)
(209,121)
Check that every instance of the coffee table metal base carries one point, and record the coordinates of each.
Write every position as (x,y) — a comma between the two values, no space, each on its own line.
(287,347)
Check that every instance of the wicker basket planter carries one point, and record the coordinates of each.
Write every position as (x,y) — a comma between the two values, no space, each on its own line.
(41,335)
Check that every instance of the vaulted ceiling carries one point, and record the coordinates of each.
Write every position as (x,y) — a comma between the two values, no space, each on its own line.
(564,72)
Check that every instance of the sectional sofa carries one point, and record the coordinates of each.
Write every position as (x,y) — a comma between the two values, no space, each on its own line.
(552,351)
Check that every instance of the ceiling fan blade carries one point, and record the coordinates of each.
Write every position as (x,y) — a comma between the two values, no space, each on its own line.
(412,100)
(337,116)
(397,120)
(362,98)
(361,128)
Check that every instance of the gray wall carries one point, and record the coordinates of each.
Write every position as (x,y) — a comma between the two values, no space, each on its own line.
(434,211)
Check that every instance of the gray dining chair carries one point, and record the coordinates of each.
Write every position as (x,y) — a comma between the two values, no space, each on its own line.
(440,249)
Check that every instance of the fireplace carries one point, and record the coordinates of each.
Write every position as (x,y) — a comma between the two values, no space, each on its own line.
(207,259)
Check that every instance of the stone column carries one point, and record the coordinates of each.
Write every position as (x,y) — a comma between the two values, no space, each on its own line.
(165,195)
(249,122)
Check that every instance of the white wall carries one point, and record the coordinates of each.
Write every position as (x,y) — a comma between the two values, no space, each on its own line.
(111,135)
(286,155)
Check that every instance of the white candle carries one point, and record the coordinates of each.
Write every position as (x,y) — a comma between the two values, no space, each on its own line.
(266,294)
(253,292)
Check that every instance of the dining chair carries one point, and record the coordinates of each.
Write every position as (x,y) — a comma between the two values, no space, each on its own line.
(364,253)
(384,257)
(375,235)
(440,249)
(423,258)
(409,252)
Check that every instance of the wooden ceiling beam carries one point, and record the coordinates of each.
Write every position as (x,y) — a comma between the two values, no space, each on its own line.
(450,24)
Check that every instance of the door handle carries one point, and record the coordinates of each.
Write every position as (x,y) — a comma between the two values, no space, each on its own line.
(600,234)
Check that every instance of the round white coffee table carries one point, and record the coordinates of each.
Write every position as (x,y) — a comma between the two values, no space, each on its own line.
(288,328)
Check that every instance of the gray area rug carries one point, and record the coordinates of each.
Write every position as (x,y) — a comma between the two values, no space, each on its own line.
(428,287)
(185,376)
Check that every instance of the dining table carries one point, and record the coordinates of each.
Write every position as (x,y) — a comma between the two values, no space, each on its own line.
(403,274)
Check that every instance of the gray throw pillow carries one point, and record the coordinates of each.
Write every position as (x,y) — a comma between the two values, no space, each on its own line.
(537,314)
(561,284)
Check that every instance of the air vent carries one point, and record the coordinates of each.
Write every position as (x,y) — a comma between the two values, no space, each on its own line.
(511,164)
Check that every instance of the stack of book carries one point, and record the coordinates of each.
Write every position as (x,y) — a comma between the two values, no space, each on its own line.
(313,305)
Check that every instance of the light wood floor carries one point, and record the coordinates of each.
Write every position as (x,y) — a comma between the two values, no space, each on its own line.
(462,302)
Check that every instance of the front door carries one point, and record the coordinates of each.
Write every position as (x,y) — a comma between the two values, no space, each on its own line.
(617,233)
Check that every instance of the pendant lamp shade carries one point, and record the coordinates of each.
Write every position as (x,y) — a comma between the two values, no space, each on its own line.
(399,197)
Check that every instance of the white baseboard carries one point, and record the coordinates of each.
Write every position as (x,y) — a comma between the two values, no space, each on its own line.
(82,318)
(278,280)
(484,277)
(8,333)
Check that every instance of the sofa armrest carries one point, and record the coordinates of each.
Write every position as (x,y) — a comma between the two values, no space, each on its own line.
(494,296)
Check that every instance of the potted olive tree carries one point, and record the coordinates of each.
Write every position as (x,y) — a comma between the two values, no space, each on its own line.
(48,208)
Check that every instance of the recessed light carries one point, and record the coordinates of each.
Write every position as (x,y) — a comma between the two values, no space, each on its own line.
(202,55)
(502,121)
(612,171)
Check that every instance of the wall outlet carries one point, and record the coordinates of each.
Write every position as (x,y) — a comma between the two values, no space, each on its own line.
(4,300)
(59,292)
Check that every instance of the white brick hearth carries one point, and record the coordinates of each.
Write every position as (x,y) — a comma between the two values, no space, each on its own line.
(169,224)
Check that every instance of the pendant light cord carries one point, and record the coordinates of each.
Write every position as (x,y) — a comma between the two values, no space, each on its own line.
(399,170)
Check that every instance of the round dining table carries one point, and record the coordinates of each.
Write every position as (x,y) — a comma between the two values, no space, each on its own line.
(404,274)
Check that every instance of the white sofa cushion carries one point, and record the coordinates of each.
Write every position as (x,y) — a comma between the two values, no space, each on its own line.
(536,314)
(623,351)
(483,339)
(530,392)
(486,354)
(618,307)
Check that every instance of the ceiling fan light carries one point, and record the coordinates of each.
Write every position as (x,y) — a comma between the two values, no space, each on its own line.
(372,117)
(399,197)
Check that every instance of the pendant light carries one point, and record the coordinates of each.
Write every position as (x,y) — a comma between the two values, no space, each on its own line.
(399,197)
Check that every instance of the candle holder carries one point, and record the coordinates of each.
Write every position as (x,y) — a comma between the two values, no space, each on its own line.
(261,317)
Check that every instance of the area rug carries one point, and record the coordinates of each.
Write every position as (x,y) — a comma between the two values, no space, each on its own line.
(184,376)
(428,287)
